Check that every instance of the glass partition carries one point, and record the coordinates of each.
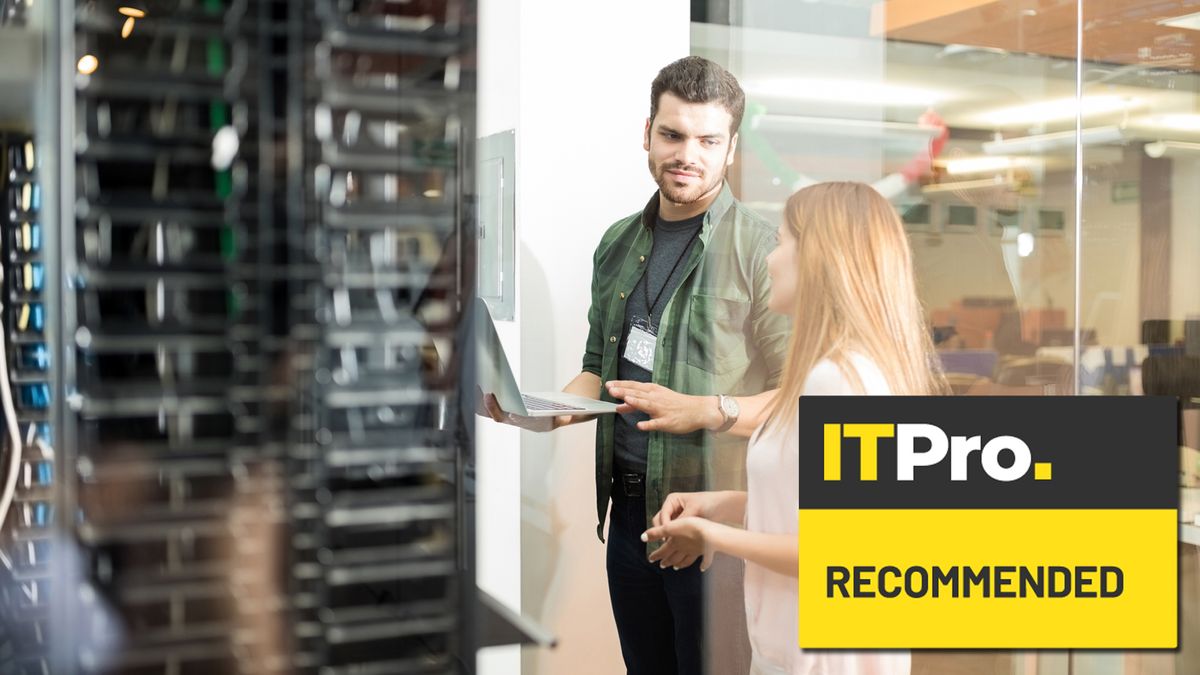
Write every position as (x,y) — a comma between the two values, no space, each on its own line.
(1054,232)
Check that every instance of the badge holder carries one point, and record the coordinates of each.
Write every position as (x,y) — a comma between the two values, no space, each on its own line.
(641,343)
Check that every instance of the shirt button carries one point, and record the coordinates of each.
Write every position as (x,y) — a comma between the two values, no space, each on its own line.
(622,295)
(612,338)
(641,258)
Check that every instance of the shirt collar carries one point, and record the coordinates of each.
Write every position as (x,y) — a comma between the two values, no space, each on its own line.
(716,211)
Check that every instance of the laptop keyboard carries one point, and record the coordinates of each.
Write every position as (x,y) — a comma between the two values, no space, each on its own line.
(535,403)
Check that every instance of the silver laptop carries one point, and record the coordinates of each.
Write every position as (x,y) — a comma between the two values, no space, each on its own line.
(495,377)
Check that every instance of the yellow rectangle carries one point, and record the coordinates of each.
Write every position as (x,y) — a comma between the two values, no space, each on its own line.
(1141,542)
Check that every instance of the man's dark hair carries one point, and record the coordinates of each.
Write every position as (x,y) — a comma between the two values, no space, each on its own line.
(697,80)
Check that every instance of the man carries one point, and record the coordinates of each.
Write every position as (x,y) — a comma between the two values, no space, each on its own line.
(679,298)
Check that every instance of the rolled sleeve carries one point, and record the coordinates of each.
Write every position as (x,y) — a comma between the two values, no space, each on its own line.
(593,355)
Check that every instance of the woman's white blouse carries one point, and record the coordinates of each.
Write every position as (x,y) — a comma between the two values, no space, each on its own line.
(772,467)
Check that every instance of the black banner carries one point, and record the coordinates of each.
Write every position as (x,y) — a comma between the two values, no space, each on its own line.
(1083,452)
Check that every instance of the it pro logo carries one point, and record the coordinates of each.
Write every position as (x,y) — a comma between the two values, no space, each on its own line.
(1003,458)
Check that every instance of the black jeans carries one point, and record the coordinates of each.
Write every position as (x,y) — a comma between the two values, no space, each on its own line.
(659,613)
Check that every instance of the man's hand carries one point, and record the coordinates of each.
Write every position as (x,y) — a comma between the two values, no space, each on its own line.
(486,405)
(669,410)
(686,539)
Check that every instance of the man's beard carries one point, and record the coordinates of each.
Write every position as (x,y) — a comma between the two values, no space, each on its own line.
(688,193)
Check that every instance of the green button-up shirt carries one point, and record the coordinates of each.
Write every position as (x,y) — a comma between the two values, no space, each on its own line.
(716,336)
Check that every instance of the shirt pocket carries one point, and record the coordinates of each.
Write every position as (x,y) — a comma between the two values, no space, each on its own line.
(718,334)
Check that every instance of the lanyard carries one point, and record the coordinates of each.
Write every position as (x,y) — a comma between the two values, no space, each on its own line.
(646,281)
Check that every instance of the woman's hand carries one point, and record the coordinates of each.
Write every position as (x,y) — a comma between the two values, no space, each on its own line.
(686,538)
(669,410)
(725,506)
(680,505)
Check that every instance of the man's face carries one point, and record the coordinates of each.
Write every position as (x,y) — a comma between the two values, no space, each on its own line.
(689,146)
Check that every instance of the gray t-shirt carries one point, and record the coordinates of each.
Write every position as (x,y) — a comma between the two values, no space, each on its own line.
(664,273)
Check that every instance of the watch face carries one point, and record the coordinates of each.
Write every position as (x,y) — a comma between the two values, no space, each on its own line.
(729,406)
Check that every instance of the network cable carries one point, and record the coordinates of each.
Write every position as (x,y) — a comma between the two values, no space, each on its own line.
(10,420)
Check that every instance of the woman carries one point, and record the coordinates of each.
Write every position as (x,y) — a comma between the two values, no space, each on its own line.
(843,271)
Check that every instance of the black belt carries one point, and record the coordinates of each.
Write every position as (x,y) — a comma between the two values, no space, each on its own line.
(630,484)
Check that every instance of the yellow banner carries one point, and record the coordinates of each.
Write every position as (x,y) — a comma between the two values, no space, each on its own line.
(1003,578)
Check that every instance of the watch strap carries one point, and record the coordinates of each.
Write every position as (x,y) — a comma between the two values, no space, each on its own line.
(729,419)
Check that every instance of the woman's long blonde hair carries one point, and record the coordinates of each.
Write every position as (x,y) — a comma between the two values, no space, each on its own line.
(855,294)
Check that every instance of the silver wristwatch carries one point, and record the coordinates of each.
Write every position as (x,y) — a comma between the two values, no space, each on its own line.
(730,410)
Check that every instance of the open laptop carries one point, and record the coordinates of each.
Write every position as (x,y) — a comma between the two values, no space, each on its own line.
(496,377)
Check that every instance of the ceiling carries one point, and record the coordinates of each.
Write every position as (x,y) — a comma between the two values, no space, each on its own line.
(987,89)
(1114,31)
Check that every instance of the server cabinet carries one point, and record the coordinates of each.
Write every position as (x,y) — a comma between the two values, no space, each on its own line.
(237,251)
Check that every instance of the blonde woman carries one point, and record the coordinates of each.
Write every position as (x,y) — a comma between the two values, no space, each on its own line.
(843,272)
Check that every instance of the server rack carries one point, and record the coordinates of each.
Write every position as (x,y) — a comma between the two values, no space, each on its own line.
(386,106)
(236,346)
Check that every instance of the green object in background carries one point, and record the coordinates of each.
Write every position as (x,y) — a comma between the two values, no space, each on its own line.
(224,184)
(232,303)
(216,57)
(214,6)
(1125,191)
(218,115)
(228,244)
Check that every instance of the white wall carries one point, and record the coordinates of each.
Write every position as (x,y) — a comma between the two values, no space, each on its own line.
(585,71)
(573,79)
(498,465)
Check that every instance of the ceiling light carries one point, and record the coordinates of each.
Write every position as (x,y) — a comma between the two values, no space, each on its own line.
(856,92)
(132,12)
(967,185)
(839,126)
(1176,121)
(127,29)
(1025,244)
(1041,143)
(1171,149)
(87,64)
(1057,109)
(966,165)
(955,49)
(1188,21)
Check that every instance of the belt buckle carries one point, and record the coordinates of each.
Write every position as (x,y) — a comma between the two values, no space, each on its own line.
(634,484)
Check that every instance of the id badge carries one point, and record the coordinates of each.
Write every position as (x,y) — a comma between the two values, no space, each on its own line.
(640,345)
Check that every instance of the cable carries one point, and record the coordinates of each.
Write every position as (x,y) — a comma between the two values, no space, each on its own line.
(10,420)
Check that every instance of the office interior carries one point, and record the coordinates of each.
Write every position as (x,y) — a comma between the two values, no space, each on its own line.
(1054,237)
(241,238)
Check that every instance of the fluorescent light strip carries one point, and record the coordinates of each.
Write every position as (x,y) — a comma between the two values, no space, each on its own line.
(1174,121)
(842,127)
(857,92)
(966,185)
(1057,110)
(1041,143)
(968,165)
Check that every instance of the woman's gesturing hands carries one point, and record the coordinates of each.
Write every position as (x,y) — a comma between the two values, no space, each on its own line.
(686,539)
(686,523)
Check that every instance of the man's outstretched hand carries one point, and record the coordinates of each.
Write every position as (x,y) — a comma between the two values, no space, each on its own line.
(486,405)
(669,411)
